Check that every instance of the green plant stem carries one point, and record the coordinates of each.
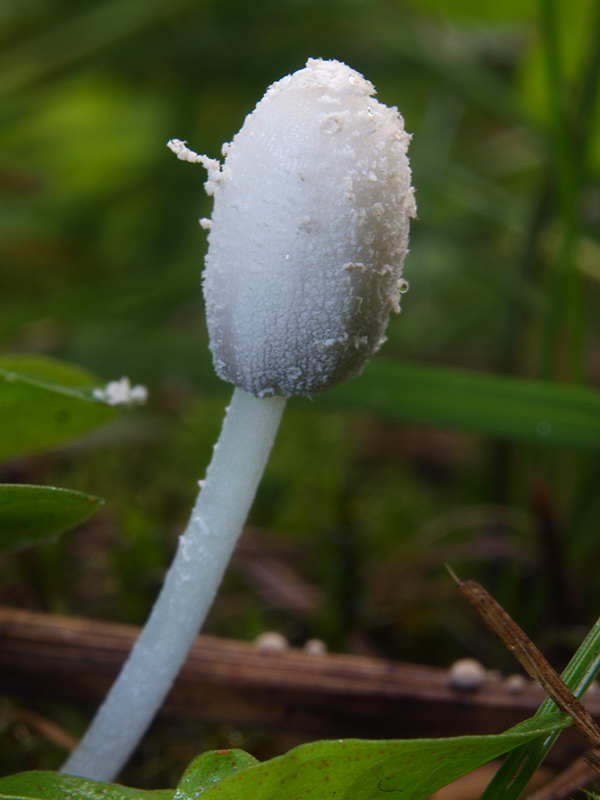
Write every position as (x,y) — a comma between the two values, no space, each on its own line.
(512,327)
(563,335)
(204,550)
(587,109)
(520,765)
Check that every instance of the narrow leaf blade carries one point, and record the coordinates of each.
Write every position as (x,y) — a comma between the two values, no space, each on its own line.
(492,405)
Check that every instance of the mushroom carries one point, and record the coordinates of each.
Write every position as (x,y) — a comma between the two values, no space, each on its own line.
(307,241)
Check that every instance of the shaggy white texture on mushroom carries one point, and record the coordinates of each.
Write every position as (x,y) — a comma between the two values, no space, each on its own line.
(308,234)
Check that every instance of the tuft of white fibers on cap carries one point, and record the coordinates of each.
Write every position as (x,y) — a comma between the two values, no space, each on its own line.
(308,234)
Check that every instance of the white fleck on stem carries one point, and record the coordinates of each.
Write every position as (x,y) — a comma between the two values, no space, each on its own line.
(238,461)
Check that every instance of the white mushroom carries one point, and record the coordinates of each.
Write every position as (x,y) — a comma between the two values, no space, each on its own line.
(308,234)
(306,246)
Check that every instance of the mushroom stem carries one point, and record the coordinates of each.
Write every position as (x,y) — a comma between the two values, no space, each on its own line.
(204,550)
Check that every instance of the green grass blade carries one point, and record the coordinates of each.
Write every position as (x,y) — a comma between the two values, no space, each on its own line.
(492,405)
(519,767)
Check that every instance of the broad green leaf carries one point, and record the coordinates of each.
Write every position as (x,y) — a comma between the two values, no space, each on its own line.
(493,405)
(351,769)
(30,514)
(44,785)
(44,403)
(355,769)
(208,769)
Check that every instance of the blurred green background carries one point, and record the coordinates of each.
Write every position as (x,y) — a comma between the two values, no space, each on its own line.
(362,503)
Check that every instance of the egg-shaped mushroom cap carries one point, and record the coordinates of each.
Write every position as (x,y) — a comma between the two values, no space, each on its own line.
(308,234)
